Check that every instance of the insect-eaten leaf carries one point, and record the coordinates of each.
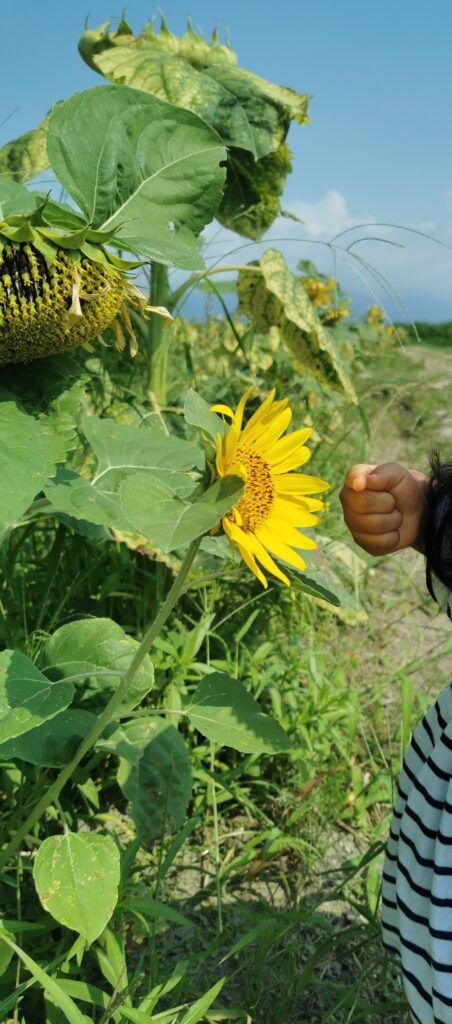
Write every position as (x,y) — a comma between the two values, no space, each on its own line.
(77,878)
(154,773)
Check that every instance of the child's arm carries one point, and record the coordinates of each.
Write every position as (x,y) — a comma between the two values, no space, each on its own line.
(385,507)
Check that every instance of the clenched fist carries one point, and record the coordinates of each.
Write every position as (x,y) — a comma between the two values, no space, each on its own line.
(385,507)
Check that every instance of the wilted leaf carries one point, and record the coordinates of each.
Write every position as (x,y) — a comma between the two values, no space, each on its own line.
(252,192)
(26,156)
(223,711)
(154,772)
(27,697)
(147,172)
(91,646)
(77,878)
(251,115)
(273,296)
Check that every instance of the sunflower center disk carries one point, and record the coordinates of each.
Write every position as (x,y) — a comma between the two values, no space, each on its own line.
(257,499)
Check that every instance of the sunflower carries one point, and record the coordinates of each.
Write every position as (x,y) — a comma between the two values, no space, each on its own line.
(48,305)
(276,502)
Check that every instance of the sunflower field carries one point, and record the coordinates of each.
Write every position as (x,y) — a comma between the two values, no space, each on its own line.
(196,767)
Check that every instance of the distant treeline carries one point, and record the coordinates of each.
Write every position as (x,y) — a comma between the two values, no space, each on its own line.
(429,334)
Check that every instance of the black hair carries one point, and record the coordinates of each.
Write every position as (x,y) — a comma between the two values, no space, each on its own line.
(438,530)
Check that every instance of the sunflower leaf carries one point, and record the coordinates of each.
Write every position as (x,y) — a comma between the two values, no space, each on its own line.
(251,115)
(273,297)
(147,172)
(223,711)
(154,772)
(167,520)
(77,878)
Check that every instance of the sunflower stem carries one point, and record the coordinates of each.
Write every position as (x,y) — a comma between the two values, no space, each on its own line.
(109,711)
(159,337)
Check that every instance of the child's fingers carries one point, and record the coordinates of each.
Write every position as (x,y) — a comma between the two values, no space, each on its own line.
(371,524)
(384,544)
(367,502)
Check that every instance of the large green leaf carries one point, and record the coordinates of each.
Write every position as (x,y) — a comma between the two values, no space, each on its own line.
(169,522)
(53,743)
(251,115)
(154,773)
(122,449)
(73,495)
(77,878)
(273,297)
(92,649)
(198,414)
(146,171)
(38,410)
(27,697)
(224,711)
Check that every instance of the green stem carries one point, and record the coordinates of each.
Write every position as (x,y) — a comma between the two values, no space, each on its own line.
(109,711)
(158,335)
(216,836)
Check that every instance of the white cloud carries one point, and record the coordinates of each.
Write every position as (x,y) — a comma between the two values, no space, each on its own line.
(327,216)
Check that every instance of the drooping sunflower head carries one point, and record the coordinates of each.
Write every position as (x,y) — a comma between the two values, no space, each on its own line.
(55,298)
(276,502)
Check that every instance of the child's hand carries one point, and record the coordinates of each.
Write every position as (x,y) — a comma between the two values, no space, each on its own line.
(385,507)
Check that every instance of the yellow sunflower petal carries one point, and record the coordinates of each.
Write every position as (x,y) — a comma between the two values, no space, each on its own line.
(250,542)
(299,483)
(250,561)
(289,535)
(292,513)
(279,548)
(238,415)
(288,447)
(224,410)
(230,444)
(274,430)
(258,415)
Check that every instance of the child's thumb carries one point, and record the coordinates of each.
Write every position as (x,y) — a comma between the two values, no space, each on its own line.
(358,475)
(385,477)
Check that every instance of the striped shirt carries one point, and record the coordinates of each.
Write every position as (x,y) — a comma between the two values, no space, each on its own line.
(417,876)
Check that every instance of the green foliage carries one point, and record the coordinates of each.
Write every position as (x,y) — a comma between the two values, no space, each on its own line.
(97,652)
(77,878)
(153,773)
(223,710)
(26,156)
(121,154)
(251,115)
(271,296)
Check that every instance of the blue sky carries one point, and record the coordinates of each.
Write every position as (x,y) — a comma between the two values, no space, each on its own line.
(379,146)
